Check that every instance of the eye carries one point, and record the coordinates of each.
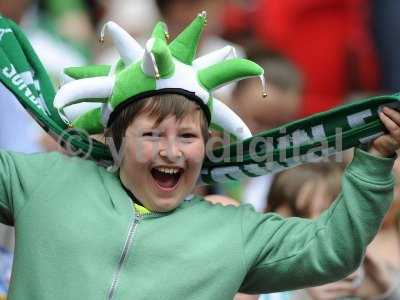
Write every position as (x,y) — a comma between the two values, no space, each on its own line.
(188,135)
(152,134)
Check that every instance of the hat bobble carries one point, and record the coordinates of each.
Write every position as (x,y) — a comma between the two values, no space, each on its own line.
(160,31)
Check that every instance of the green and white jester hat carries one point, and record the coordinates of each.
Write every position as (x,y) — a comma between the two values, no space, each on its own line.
(93,95)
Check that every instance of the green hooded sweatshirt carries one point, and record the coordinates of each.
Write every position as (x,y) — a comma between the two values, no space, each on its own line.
(79,237)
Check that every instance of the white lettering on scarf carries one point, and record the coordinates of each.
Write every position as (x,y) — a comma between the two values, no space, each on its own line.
(357,119)
(3,31)
(17,80)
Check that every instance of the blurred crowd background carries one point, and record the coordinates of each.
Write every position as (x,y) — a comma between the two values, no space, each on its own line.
(317,54)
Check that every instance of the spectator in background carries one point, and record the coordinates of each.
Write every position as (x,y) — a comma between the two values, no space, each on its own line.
(329,41)
(386,28)
(284,90)
(178,13)
(67,17)
(136,17)
(61,33)
(305,191)
(281,106)
(14,10)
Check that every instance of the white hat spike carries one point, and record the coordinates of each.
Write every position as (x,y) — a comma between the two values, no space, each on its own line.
(64,78)
(229,120)
(149,64)
(72,112)
(128,48)
(214,57)
(84,90)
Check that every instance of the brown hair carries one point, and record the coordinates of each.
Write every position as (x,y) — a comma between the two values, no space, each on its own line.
(159,107)
(287,185)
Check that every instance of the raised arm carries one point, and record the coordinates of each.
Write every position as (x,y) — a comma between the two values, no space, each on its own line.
(20,176)
(295,253)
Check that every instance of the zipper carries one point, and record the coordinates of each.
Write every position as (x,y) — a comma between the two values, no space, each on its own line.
(128,242)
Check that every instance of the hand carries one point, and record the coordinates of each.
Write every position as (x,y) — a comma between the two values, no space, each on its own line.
(377,279)
(243,297)
(332,291)
(340,289)
(389,143)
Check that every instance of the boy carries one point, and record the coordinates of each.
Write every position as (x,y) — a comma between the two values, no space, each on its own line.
(85,233)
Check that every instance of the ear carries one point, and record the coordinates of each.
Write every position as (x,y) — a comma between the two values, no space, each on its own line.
(107,133)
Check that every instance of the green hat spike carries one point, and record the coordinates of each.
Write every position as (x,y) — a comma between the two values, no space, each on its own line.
(72,112)
(163,57)
(158,59)
(160,31)
(229,70)
(87,71)
(90,121)
(184,46)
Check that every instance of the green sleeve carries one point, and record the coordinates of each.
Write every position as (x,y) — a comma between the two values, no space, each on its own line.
(284,254)
(20,176)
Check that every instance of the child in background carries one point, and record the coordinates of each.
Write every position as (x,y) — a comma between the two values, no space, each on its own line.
(306,190)
(284,95)
(281,106)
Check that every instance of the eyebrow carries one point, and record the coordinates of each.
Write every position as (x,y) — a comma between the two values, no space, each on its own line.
(188,128)
(156,126)
(191,128)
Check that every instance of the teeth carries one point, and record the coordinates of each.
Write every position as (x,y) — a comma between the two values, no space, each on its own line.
(168,170)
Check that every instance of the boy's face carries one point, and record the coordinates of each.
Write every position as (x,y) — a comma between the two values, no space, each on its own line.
(161,163)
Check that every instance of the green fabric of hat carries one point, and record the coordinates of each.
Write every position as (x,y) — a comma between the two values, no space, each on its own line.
(91,94)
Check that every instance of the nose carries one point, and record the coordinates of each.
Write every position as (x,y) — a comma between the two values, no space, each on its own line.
(171,151)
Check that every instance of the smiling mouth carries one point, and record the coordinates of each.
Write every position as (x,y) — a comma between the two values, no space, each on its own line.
(166,178)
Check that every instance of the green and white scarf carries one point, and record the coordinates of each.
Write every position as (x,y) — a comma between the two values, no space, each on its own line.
(308,139)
